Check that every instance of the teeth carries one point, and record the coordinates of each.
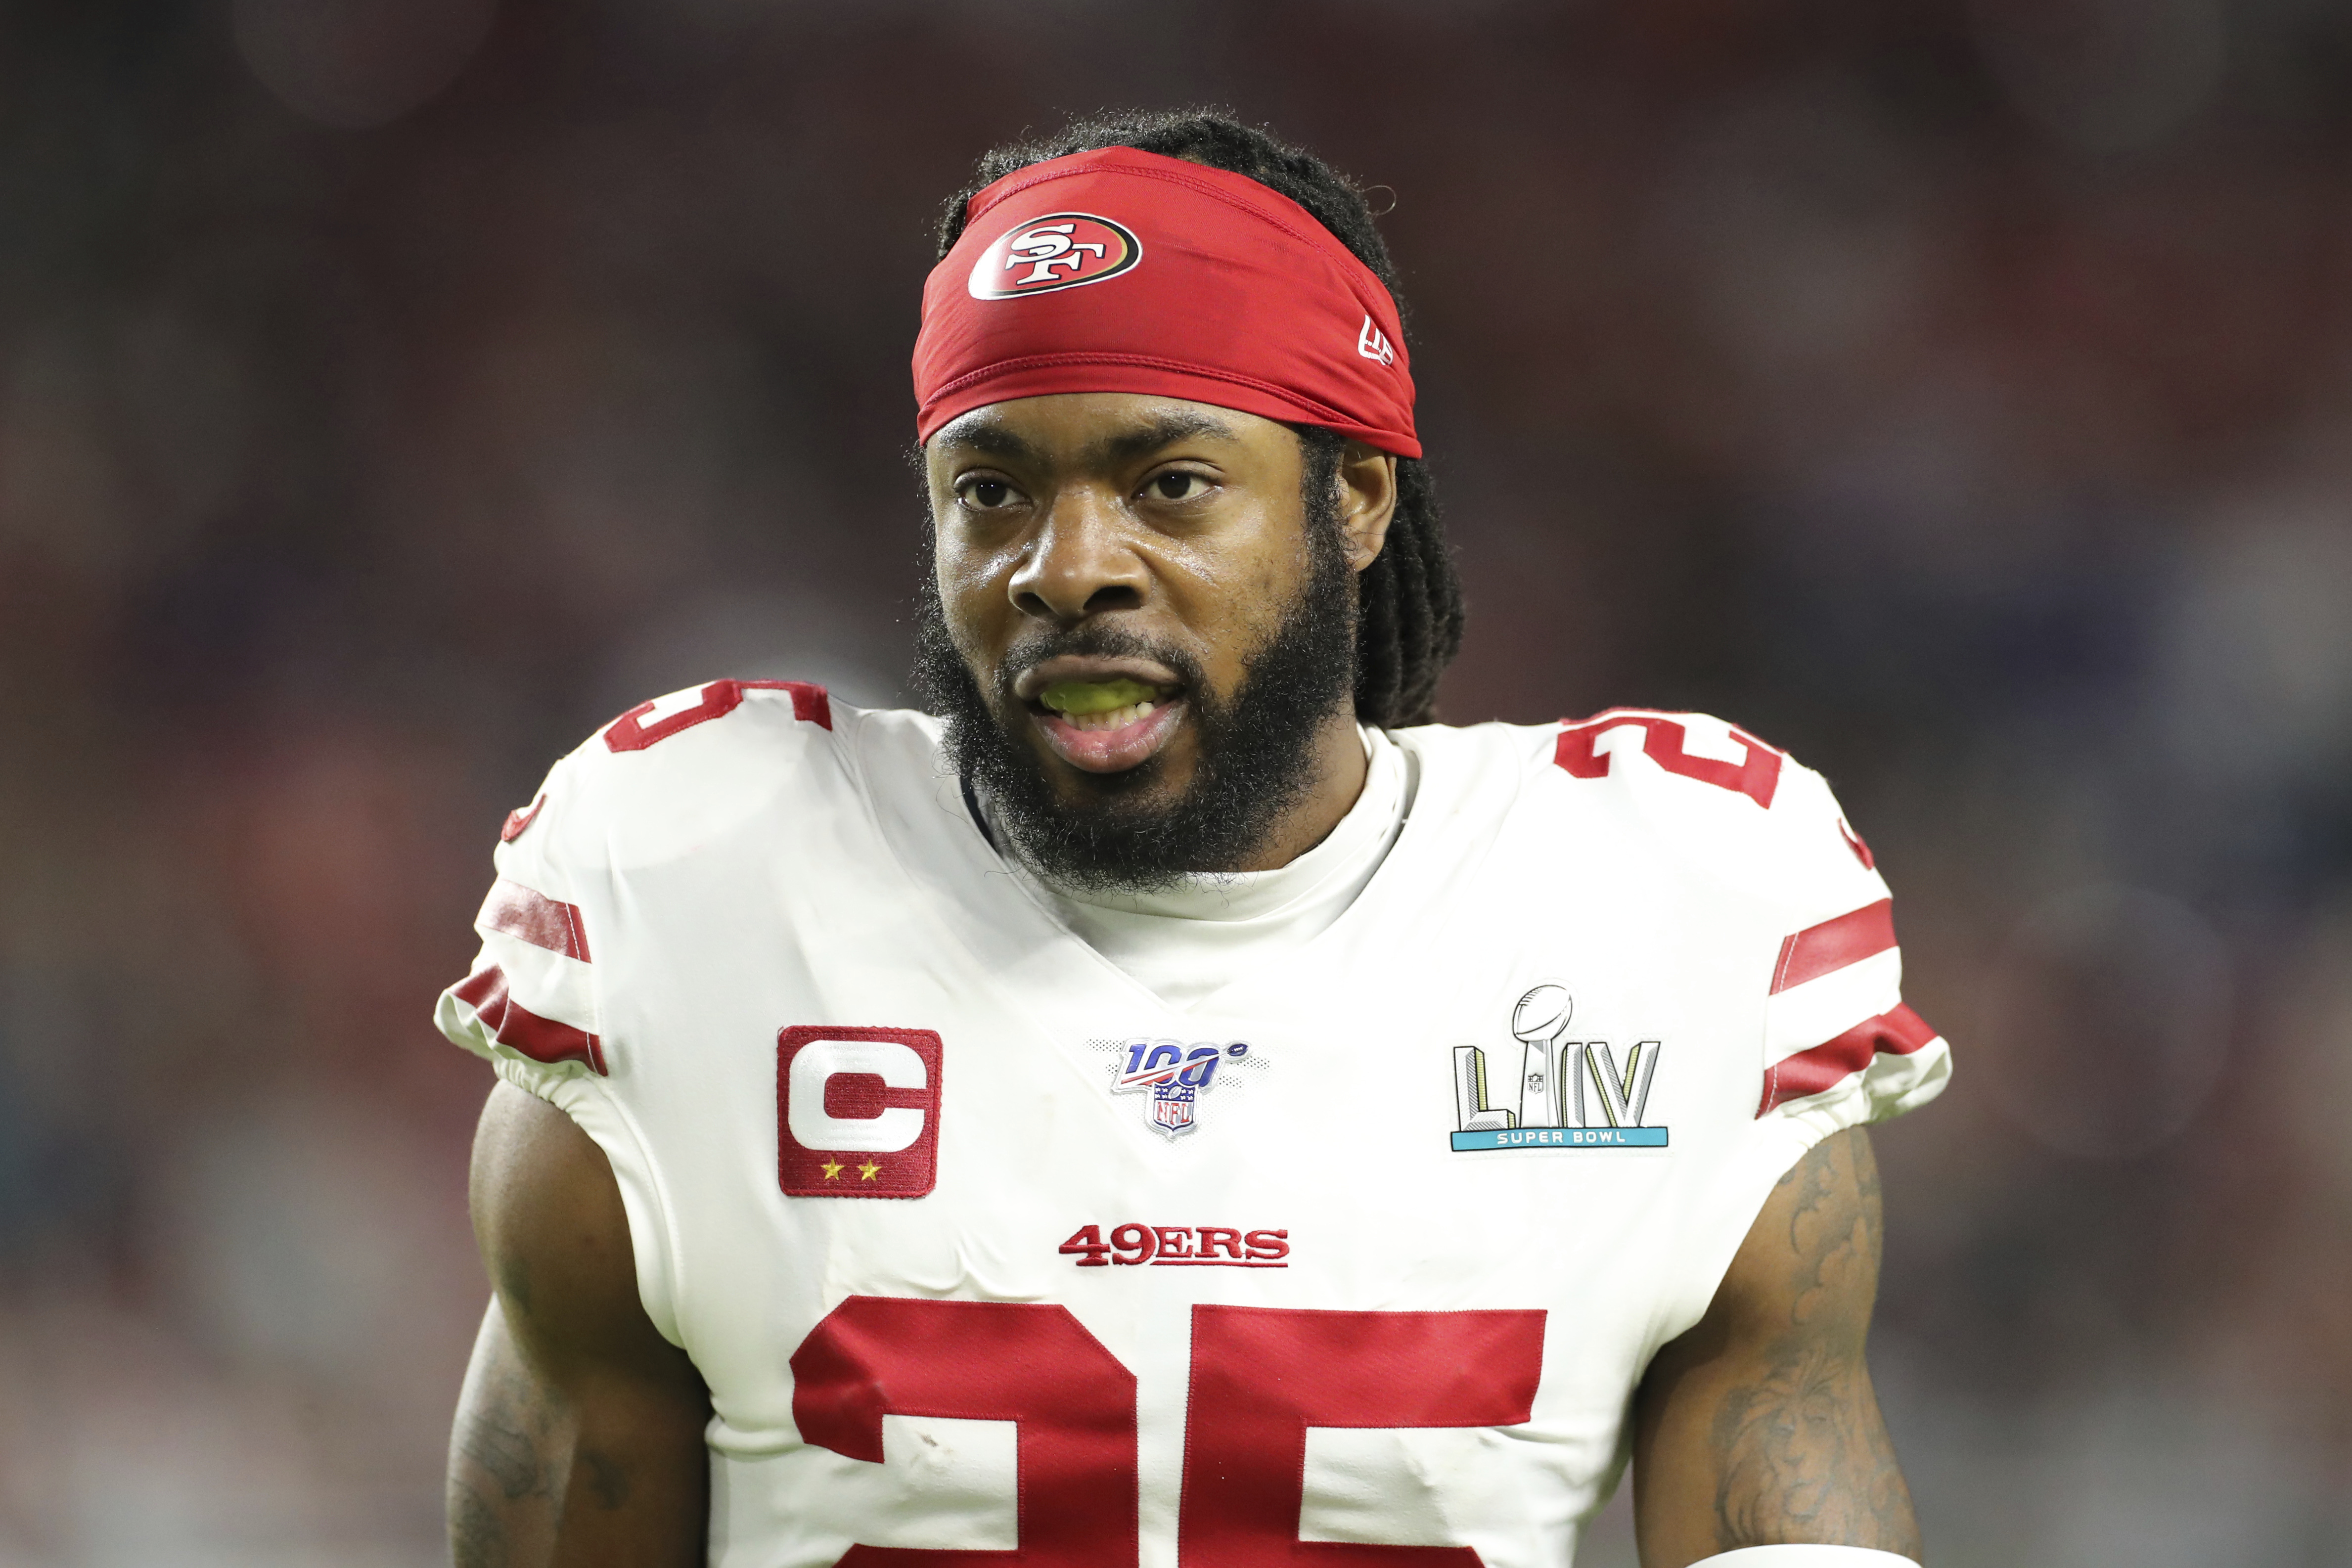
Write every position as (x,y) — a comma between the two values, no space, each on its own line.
(1072,698)
(1117,718)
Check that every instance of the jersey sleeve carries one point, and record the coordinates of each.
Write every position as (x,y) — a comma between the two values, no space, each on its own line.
(531,1007)
(1840,1047)
(647,789)
(1837,1046)
(529,1004)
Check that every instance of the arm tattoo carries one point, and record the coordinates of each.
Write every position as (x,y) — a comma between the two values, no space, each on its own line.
(477,1537)
(505,1453)
(500,1462)
(1804,1453)
(515,1466)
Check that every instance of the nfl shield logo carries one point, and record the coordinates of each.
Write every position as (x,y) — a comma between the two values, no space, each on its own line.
(1177,1075)
(1171,1105)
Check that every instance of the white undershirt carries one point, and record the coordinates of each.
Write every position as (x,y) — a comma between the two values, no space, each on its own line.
(1185,942)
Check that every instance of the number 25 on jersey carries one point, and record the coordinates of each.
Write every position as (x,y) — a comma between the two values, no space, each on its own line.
(1260,1378)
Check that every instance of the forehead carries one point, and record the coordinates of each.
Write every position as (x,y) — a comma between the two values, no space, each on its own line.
(1096,429)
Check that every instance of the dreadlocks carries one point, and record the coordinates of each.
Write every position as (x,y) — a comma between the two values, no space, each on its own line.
(1409,603)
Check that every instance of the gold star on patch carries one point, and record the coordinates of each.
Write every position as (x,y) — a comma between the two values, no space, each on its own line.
(831,1169)
(869,1170)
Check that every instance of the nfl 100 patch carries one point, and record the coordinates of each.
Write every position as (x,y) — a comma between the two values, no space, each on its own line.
(1177,1076)
(1571,1093)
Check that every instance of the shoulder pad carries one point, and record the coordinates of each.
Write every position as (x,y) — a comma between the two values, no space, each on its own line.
(1717,795)
(671,772)
(656,719)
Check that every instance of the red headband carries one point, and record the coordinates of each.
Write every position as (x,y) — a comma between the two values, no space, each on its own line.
(1118,270)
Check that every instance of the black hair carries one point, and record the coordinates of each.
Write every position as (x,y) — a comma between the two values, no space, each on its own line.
(1409,599)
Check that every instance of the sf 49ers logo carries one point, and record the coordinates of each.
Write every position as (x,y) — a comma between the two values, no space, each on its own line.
(1060,250)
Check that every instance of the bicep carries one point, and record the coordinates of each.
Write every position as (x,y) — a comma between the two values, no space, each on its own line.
(578,1438)
(1760,1427)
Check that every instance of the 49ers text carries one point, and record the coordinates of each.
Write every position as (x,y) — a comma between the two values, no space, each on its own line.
(1179,1246)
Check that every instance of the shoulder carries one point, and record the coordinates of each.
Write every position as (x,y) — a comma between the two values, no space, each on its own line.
(1758,830)
(1700,793)
(706,772)
(681,770)
(1751,845)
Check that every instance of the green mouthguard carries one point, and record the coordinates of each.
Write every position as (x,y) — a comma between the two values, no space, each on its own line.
(1083,698)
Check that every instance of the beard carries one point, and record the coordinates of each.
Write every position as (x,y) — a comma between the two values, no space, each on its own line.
(1254,744)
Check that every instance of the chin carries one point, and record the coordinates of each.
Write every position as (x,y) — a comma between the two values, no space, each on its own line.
(1143,785)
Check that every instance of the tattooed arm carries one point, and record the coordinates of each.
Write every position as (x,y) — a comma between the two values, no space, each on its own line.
(1758,1427)
(579,1433)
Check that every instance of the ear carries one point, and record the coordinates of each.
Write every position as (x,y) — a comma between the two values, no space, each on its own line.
(1368,497)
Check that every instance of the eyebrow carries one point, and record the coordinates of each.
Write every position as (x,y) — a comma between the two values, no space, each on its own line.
(1163,430)
(987,437)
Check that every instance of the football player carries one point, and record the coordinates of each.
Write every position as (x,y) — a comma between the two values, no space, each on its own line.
(1179,1104)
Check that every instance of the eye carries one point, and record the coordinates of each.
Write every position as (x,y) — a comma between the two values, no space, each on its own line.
(984,495)
(1178,486)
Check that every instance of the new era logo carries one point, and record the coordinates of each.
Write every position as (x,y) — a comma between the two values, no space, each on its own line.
(857,1112)
(1373,343)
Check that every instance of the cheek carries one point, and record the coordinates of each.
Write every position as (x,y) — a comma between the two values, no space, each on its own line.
(1234,596)
(972,596)
(1264,572)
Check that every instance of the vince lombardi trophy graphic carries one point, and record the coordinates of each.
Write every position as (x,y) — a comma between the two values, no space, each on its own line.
(1551,1081)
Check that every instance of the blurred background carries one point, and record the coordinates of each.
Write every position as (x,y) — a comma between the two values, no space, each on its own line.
(391,390)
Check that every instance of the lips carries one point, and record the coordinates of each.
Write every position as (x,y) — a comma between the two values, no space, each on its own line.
(1097,669)
(1102,715)
(1112,749)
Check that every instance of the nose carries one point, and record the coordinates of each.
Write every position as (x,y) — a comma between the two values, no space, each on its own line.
(1079,564)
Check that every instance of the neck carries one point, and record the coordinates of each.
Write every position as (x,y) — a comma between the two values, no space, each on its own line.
(1339,770)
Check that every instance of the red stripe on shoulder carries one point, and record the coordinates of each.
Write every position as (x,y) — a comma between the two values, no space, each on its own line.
(810,703)
(1831,946)
(631,732)
(533,918)
(1897,1033)
(517,820)
(541,1039)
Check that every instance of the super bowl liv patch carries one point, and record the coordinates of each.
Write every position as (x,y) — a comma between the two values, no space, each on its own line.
(1570,1094)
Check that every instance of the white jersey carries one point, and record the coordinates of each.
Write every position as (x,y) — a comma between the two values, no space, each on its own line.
(981,1246)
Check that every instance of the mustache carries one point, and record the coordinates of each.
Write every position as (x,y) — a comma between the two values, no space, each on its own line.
(1092,640)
